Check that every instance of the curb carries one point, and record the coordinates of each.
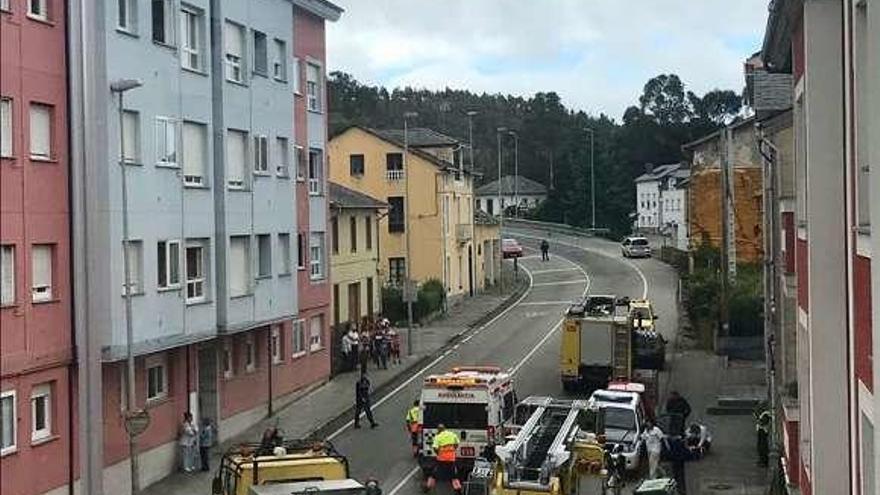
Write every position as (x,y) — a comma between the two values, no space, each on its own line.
(336,422)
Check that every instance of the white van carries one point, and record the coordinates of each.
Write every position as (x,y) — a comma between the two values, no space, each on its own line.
(624,422)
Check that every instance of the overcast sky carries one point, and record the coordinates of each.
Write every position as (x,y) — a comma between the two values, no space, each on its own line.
(597,54)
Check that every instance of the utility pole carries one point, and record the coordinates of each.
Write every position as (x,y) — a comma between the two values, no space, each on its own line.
(408,284)
(515,172)
(728,253)
(498,134)
(592,183)
(472,272)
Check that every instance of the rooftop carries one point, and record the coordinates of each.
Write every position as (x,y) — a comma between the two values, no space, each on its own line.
(661,171)
(418,137)
(524,185)
(343,197)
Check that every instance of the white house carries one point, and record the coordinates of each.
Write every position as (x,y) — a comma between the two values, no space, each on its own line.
(661,202)
(508,191)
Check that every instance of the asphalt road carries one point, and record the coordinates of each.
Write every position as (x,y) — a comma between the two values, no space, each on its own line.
(524,339)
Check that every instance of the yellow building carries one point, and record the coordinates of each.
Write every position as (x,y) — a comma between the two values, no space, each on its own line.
(440,215)
(354,254)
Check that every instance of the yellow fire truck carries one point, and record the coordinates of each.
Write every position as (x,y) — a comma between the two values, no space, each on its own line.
(596,343)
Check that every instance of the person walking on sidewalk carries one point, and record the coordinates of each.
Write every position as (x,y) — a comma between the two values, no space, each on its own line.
(676,404)
(207,436)
(653,437)
(364,356)
(188,442)
(362,403)
(545,250)
(762,428)
(414,426)
(394,339)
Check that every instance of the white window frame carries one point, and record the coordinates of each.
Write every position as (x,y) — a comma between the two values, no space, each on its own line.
(316,340)
(7,272)
(159,361)
(168,127)
(264,70)
(168,21)
(50,131)
(227,360)
(317,244)
(279,60)
(316,173)
(282,150)
(13,446)
(202,279)
(297,77)
(250,353)
(136,266)
(44,391)
(129,22)
(275,344)
(267,238)
(7,148)
(284,253)
(191,179)
(313,88)
(42,13)
(261,154)
(302,250)
(246,264)
(168,265)
(234,64)
(4,6)
(300,157)
(192,57)
(132,153)
(238,185)
(43,292)
(298,338)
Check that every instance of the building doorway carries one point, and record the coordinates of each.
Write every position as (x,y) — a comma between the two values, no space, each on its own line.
(208,406)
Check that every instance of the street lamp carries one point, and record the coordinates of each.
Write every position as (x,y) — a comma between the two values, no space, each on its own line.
(592,182)
(408,285)
(515,172)
(119,87)
(499,132)
(470,115)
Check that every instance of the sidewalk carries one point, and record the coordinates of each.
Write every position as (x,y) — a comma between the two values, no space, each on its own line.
(329,406)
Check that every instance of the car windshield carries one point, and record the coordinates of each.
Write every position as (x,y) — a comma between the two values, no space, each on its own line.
(510,243)
(456,416)
(619,418)
(639,242)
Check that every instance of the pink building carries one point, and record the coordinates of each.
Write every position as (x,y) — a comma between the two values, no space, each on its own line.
(36,367)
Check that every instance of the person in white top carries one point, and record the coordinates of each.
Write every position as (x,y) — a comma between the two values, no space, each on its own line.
(653,437)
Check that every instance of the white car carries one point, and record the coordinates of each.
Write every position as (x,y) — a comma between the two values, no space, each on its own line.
(624,423)
(635,247)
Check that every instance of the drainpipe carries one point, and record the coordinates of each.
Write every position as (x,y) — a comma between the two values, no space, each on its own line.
(270,361)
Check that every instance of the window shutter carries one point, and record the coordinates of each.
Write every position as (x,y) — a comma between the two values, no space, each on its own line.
(5,127)
(236,155)
(238,279)
(41,124)
(130,131)
(7,274)
(234,39)
(193,152)
(41,273)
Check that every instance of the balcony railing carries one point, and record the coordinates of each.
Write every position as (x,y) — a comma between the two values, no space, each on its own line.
(394,174)
(463,232)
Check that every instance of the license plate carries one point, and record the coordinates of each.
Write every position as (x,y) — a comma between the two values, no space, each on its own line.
(468,452)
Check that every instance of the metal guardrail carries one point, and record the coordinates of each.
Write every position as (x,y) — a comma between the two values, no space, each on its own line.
(558,227)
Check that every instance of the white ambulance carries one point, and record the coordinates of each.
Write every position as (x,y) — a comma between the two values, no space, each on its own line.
(474,402)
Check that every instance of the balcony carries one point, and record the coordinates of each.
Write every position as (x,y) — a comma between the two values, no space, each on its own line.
(463,232)
(394,174)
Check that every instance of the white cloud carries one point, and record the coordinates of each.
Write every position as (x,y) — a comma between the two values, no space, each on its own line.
(597,54)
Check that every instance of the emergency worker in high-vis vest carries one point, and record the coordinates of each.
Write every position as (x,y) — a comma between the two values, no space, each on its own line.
(445,447)
(414,426)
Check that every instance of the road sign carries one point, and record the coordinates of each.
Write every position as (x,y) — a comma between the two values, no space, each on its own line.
(137,422)
(410,291)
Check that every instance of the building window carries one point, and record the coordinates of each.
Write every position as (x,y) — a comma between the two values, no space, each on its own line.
(157,377)
(228,367)
(126,19)
(396,214)
(234,45)
(279,60)
(353,233)
(261,61)
(282,150)
(135,267)
(299,157)
(313,87)
(191,38)
(131,130)
(195,272)
(284,250)
(236,159)
(298,338)
(4,6)
(166,142)
(368,232)
(264,256)
(356,164)
(195,155)
(261,155)
(275,340)
(316,255)
(334,234)
(300,251)
(394,166)
(316,171)
(396,270)
(297,76)
(41,131)
(168,264)
(41,412)
(239,265)
(316,333)
(162,25)
(370,296)
(38,9)
(336,303)
(7,274)
(41,272)
(250,353)
(5,127)
(8,422)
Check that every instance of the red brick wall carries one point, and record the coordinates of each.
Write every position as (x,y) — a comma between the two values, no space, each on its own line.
(803,275)
(862,303)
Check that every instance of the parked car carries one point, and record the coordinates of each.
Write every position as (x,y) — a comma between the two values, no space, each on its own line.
(635,247)
(510,248)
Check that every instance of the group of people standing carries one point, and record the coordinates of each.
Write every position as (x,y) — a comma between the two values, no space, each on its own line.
(371,341)
(195,443)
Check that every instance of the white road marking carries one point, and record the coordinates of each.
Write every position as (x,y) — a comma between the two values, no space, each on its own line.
(553,270)
(404,481)
(545,303)
(566,282)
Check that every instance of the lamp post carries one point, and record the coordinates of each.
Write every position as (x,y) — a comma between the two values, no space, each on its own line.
(471,278)
(408,285)
(499,132)
(515,172)
(119,87)
(592,182)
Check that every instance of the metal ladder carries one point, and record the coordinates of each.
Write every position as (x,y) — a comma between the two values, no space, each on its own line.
(622,365)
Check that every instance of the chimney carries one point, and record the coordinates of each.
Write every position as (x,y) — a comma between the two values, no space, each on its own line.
(649,168)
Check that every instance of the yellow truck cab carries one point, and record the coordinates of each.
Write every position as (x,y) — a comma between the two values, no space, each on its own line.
(302,460)
(596,344)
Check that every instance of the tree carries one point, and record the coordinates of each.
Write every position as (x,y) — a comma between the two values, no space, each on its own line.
(717,106)
(664,98)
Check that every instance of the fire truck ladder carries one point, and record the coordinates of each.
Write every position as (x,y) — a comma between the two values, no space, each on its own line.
(622,352)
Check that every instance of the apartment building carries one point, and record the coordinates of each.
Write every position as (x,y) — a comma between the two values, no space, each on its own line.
(36,342)
(510,190)
(829,433)
(208,140)
(439,199)
(662,202)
